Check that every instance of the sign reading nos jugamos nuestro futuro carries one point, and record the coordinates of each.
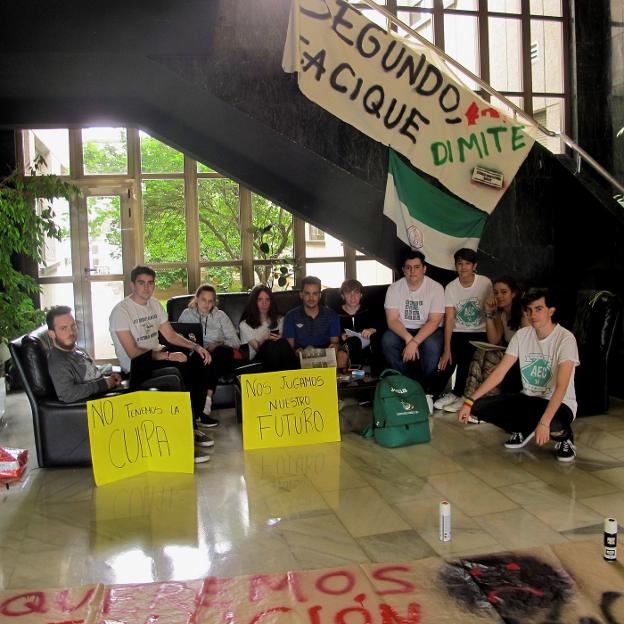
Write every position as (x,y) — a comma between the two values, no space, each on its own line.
(139,432)
(290,408)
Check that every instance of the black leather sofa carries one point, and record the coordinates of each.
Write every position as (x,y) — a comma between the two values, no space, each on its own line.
(595,321)
(596,326)
(233,304)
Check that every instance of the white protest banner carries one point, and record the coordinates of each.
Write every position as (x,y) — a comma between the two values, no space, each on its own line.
(403,95)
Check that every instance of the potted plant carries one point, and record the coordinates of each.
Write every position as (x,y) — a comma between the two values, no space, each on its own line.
(24,226)
(280,270)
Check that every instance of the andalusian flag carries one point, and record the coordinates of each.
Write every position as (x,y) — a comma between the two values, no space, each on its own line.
(427,218)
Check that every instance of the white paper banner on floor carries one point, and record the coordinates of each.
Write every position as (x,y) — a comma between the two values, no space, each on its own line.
(403,96)
(562,583)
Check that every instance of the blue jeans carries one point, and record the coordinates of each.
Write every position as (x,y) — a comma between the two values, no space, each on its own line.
(430,351)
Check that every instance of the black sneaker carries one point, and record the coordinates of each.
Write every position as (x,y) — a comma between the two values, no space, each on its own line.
(202,439)
(566,451)
(518,440)
(201,457)
(207,422)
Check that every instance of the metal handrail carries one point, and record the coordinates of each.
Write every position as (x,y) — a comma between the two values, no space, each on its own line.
(492,91)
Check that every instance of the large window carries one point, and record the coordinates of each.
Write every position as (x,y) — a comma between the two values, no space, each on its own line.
(517,47)
(144,201)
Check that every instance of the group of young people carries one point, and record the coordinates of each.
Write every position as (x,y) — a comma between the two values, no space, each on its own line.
(431,333)
(526,387)
(136,322)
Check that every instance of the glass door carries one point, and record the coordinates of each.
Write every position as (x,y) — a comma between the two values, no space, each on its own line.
(86,268)
(103,244)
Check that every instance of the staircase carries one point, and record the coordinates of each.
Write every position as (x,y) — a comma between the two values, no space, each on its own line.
(206,77)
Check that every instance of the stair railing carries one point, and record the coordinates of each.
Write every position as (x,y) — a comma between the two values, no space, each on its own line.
(580,153)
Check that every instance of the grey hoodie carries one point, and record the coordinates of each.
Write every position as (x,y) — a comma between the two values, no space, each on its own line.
(216,326)
(75,375)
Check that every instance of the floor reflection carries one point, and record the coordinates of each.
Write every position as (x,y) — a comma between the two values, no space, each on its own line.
(306,507)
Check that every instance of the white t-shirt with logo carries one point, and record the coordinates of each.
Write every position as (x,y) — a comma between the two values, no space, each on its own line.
(468,303)
(414,306)
(142,321)
(539,361)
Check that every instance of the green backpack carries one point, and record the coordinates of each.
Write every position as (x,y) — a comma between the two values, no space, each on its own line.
(400,411)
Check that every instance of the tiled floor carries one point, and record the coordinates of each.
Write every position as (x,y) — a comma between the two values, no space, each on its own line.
(306,507)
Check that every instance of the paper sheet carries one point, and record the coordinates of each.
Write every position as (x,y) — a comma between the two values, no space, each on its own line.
(365,341)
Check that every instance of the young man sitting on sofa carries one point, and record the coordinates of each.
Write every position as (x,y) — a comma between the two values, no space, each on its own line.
(75,375)
(312,324)
(134,325)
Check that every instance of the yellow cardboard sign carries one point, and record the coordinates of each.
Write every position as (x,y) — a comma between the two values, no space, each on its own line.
(290,408)
(140,432)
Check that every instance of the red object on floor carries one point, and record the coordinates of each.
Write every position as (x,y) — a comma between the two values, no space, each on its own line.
(12,463)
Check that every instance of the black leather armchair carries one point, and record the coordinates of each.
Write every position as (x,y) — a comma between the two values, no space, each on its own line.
(61,430)
(596,323)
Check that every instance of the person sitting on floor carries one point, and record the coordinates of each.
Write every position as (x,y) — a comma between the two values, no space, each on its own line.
(359,319)
(547,354)
(219,336)
(134,324)
(312,324)
(261,329)
(75,375)
(503,317)
(464,323)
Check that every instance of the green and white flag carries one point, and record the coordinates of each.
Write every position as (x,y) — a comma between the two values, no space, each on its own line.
(427,218)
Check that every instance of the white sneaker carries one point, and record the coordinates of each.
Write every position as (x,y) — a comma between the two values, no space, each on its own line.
(455,406)
(429,398)
(444,400)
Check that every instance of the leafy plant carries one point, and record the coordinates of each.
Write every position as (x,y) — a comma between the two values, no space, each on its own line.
(25,223)
(280,269)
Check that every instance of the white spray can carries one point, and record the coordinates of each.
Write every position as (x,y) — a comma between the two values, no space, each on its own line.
(610,539)
(445,521)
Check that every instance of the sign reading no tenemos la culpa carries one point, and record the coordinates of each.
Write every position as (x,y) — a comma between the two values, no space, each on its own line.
(402,95)
(140,432)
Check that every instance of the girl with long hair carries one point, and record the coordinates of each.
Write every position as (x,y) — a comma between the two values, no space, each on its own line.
(504,317)
(218,336)
(261,329)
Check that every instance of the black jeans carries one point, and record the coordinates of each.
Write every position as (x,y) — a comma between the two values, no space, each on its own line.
(198,379)
(462,353)
(277,355)
(521,413)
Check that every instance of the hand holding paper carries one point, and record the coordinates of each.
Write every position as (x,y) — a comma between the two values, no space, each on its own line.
(365,341)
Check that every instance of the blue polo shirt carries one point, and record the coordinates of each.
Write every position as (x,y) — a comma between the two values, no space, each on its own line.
(311,332)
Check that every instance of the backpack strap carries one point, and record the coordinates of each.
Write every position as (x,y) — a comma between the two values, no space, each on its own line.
(389,371)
